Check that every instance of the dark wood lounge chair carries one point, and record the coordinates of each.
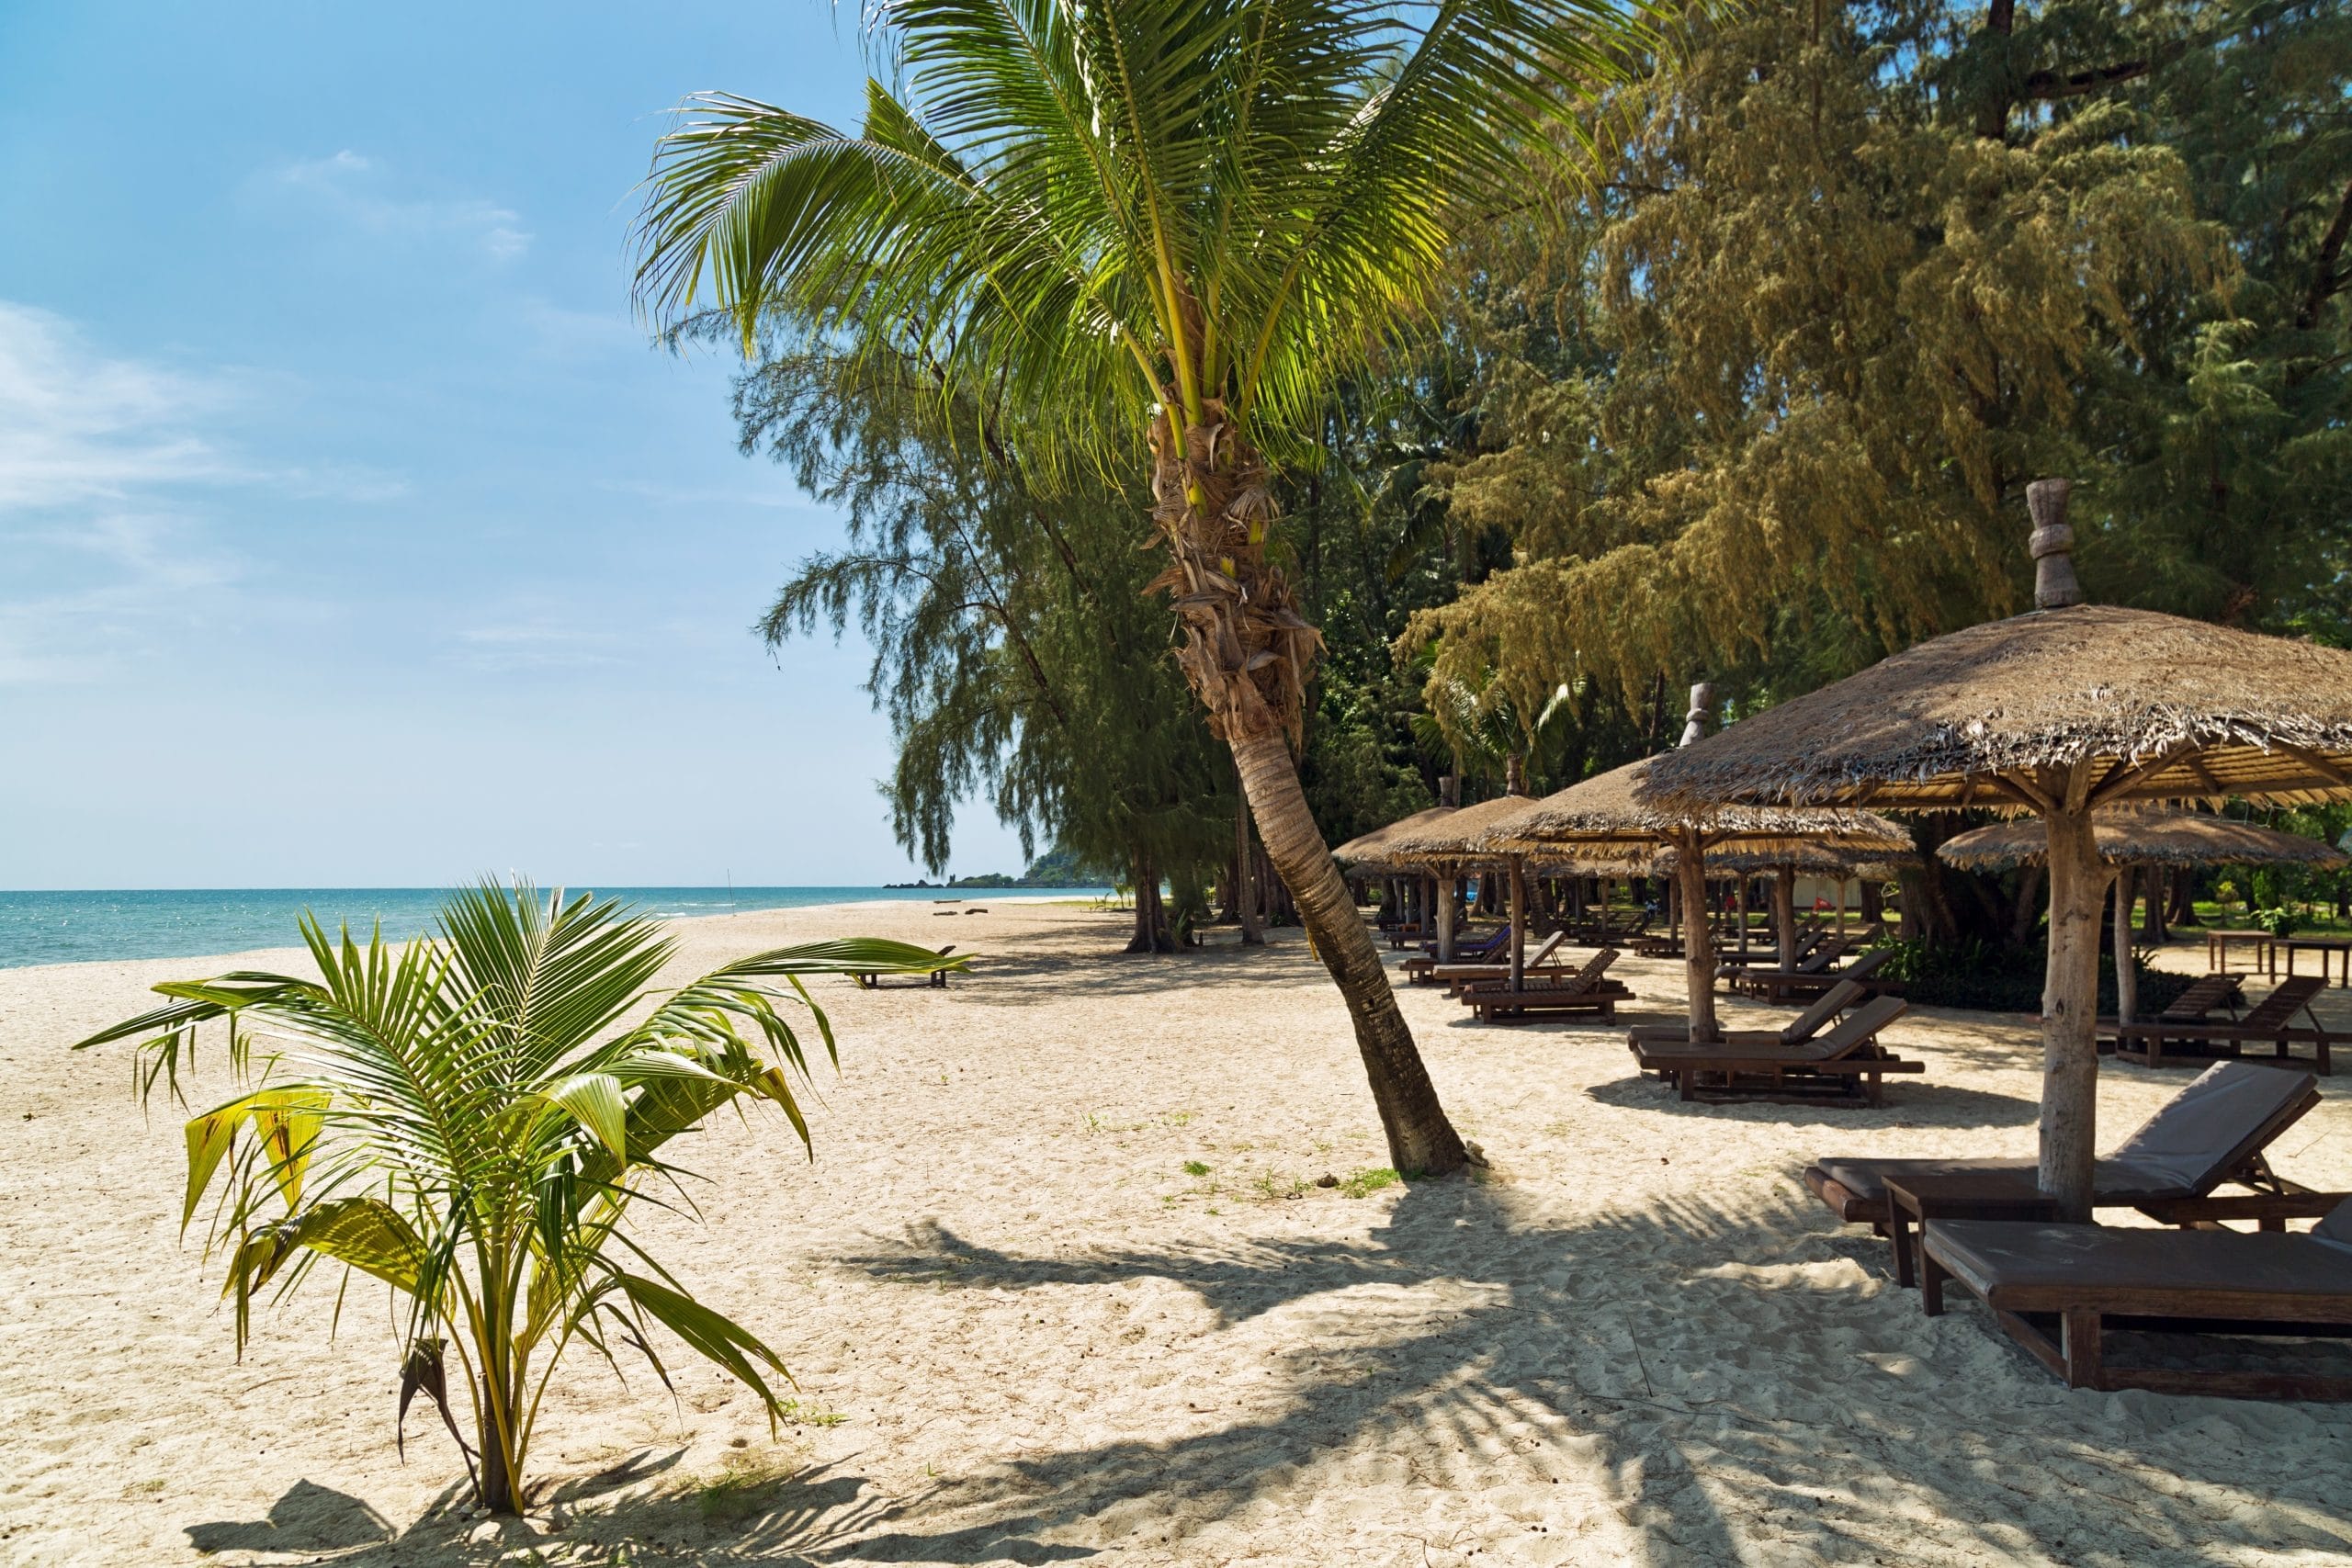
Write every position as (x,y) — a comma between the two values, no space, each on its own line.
(1808,939)
(2057,1289)
(1776,985)
(1796,1032)
(1476,962)
(2270,1022)
(1588,990)
(1846,1065)
(2214,1130)
(937,979)
(1539,964)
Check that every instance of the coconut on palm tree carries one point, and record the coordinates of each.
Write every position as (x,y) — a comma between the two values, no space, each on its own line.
(1156,230)
(469,1120)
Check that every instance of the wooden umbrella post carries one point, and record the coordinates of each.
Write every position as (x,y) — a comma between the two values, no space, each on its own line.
(2070,1003)
(1784,916)
(1698,946)
(1445,920)
(1518,922)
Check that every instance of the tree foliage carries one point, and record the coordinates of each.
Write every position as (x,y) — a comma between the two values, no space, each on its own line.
(1761,407)
(1014,652)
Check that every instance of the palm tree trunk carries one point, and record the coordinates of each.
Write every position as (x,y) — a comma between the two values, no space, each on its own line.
(1247,654)
(2127,978)
(497,1477)
(1420,1139)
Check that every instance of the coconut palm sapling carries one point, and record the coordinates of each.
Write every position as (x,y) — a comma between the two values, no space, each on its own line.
(469,1120)
(1186,217)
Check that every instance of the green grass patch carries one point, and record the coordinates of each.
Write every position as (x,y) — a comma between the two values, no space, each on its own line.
(1195,1167)
(1364,1183)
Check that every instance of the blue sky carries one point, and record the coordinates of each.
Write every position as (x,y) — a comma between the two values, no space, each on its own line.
(351,533)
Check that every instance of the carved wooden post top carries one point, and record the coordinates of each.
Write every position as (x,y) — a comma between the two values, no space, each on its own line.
(2053,545)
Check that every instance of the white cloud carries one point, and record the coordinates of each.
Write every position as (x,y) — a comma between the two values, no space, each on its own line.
(353,188)
(110,469)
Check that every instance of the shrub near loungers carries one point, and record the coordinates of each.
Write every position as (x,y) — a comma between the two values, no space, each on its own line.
(465,1121)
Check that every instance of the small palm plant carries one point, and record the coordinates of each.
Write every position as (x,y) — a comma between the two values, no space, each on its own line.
(468,1119)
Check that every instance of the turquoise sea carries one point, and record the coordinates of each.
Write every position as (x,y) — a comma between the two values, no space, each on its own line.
(70,928)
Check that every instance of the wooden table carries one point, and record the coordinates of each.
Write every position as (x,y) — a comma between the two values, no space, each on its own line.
(2265,945)
(2322,945)
(1999,1194)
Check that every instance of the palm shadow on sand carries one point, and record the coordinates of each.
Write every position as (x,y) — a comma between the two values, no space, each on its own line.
(1706,1461)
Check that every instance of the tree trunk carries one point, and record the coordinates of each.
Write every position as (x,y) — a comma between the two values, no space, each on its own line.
(1785,917)
(1698,935)
(1420,1139)
(2028,907)
(2152,923)
(1445,901)
(2069,1011)
(1152,932)
(497,1479)
(2127,977)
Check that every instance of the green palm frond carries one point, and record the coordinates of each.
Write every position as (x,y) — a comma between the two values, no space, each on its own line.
(1077,206)
(468,1119)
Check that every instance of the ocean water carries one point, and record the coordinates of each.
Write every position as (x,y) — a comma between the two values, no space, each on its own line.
(70,928)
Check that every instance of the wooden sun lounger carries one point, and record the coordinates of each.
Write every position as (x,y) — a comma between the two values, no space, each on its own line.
(1418,969)
(1807,940)
(1846,1065)
(1586,990)
(1541,963)
(1477,964)
(2057,1289)
(1775,986)
(1799,1030)
(937,979)
(2214,1130)
(2269,1023)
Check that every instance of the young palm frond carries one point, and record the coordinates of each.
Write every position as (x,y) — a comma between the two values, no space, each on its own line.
(468,1119)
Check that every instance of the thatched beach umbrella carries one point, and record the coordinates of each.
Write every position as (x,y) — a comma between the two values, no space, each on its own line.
(1367,853)
(2056,712)
(1458,845)
(2128,838)
(1606,814)
(1784,860)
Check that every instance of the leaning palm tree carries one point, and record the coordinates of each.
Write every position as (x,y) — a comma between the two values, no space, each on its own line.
(1177,219)
(469,1120)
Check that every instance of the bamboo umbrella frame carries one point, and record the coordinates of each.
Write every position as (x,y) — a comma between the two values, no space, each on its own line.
(1605,815)
(2054,713)
(2129,838)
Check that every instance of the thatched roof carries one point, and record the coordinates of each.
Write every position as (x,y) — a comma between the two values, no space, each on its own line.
(2145,837)
(1465,840)
(2208,711)
(1370,851)
(1607,809)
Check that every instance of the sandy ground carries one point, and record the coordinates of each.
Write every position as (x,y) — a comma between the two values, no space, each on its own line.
(1024,1333)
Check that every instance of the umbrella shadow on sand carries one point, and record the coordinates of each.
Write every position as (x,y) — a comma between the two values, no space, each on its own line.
(1736,1382)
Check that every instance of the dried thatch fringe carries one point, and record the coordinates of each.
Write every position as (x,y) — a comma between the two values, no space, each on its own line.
(1608,810)
(2146,838)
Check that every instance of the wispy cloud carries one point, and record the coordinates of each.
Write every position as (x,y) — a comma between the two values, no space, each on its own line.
(532,641)
(110,469)
(359,191)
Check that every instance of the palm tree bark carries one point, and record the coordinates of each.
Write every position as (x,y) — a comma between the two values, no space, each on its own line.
(1247,653)
(1420,1139)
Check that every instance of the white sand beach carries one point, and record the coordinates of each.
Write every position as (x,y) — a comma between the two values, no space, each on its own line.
(1023,1333)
